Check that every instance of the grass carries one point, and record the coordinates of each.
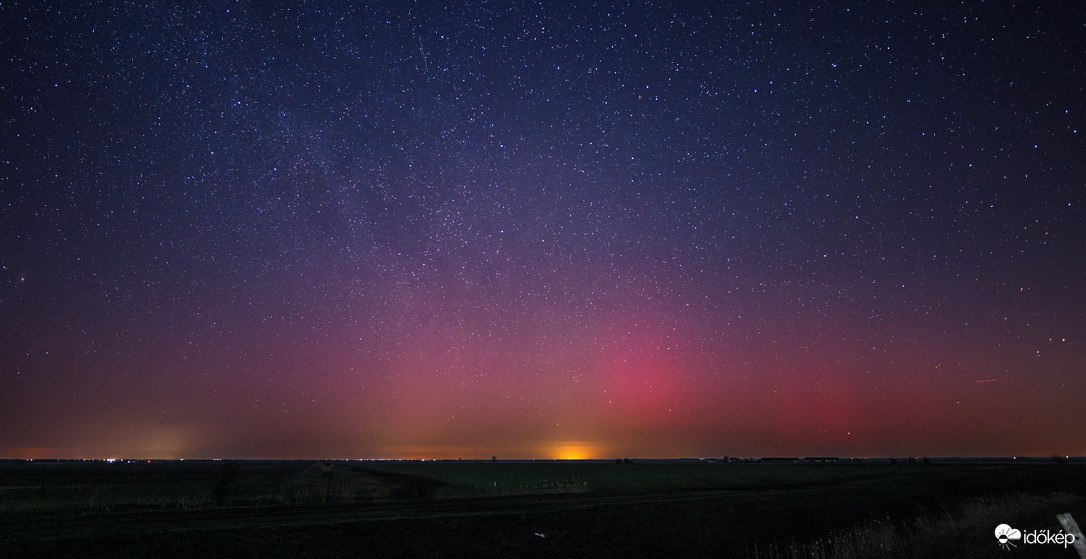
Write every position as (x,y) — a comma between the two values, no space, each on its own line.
(574,509)
(964,530)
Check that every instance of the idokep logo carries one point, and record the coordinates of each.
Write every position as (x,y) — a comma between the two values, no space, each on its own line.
(1007,536)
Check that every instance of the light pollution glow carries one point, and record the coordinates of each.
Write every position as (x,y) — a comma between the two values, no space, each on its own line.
(661,231)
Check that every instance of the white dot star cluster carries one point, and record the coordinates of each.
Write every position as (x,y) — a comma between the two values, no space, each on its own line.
(267,229)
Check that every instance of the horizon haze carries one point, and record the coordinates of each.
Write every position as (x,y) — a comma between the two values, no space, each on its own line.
(285,230)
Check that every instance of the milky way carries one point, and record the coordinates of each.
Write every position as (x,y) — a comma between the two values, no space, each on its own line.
(542,230)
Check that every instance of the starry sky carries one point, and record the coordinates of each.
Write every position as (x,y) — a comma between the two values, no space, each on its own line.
(554,230)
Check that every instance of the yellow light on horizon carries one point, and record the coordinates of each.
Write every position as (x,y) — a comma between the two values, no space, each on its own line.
(573,451)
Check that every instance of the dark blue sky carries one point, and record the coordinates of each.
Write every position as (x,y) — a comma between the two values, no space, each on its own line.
(548,229)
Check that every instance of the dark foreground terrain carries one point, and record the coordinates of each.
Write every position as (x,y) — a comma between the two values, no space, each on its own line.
(570,509)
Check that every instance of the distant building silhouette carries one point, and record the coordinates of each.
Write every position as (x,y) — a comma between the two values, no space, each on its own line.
(822,459)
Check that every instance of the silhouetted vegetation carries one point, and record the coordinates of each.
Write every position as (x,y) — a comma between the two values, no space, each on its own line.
(496,509)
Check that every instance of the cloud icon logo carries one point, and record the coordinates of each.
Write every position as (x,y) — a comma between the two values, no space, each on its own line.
(1007,536)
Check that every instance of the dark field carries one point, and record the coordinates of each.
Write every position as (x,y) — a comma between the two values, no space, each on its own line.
(572,509)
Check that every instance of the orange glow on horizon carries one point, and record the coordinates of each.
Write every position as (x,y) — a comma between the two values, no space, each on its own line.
(574,451)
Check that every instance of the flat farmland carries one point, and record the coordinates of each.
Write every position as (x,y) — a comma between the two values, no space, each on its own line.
(545,508)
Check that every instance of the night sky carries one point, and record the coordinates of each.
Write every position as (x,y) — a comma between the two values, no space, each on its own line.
(542,229)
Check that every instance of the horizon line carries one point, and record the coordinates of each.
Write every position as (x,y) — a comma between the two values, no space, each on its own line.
(545,459)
